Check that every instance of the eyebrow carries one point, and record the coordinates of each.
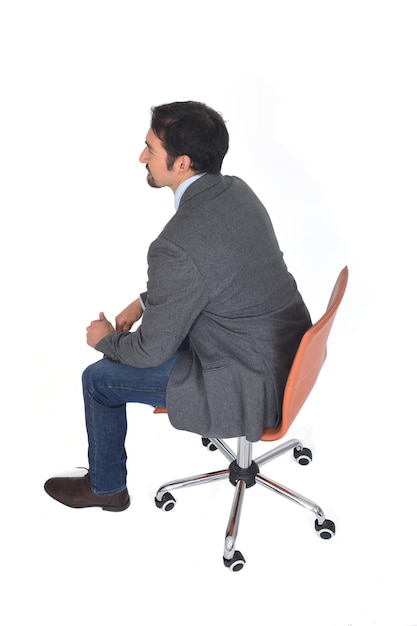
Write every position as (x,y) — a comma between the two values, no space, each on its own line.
(150,145)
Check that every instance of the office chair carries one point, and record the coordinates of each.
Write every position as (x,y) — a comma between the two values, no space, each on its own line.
(243,471)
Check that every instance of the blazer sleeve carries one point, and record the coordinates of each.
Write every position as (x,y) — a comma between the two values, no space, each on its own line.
(176,296)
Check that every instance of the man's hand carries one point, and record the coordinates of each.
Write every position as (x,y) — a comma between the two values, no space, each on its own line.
(98,329)
(131,314)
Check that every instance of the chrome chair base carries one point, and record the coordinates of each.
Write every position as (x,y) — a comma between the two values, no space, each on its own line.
(243,472)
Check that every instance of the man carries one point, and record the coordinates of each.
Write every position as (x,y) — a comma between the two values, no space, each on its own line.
(220,322)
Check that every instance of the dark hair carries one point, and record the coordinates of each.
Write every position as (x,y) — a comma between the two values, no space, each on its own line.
(194,129)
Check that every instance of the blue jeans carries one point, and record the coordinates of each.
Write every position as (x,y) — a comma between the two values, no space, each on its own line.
(107,387)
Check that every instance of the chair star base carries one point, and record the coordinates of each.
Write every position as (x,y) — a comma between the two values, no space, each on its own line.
(243,472)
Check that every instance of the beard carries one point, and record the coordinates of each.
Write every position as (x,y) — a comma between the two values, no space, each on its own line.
(151,181)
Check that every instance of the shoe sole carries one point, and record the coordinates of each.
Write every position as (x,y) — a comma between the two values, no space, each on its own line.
(104,507)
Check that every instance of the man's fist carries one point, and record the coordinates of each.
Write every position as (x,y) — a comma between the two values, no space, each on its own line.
(98,329)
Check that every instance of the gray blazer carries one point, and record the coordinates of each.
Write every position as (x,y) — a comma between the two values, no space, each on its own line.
(216,276)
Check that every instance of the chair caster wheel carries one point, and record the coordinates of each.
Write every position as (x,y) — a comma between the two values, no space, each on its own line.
(209,445)
(236,563)
(303,455)
(326,530)
(166,503)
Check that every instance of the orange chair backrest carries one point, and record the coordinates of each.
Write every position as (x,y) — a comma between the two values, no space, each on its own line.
(308,362)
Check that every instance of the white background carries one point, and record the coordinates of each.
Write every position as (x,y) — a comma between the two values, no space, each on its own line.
(320,100)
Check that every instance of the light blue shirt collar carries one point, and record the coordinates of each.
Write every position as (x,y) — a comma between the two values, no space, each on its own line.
(181,189)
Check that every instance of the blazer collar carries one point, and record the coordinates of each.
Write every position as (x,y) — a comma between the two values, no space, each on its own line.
(202,184)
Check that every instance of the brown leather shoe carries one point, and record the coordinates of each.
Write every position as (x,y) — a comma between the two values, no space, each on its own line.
(76,492)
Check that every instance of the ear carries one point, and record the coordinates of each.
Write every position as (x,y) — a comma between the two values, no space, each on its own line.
(184,163)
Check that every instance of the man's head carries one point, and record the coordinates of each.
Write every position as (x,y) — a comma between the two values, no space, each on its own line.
(194,129)
(193,136)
